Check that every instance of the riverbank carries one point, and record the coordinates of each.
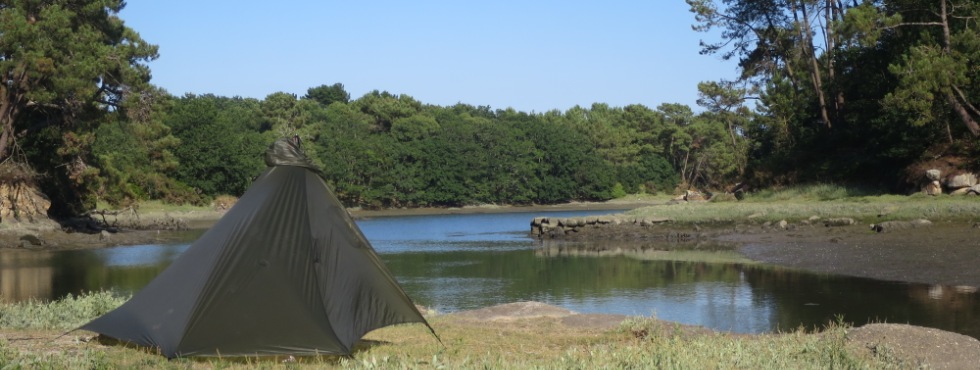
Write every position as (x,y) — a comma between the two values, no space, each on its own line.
(167,226)
(551,335)
(786,233)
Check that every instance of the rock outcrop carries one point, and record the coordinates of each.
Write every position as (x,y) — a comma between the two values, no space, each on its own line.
(20,200)
(607,226)
(956,183)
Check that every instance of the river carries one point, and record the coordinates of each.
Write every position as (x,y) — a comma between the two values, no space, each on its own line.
(461,262)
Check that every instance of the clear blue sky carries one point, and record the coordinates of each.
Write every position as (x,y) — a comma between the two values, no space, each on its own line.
(528,55)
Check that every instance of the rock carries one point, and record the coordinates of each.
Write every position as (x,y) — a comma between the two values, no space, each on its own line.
(814,218)
(21,201)
(104,235)
(933,174)
(973,190)
(840,221)
(538,221)
(783,224)
(30,240)
(932,188)
(963,180)
(693,196)
(961,191)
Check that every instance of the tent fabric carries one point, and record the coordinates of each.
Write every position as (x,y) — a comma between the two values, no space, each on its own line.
(285,271)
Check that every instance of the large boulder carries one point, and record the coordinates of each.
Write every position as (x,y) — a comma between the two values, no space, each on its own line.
(962,180)
(694,196)
(933,174)
(932,188)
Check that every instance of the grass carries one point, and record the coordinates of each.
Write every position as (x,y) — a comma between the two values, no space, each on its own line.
(64,314)
(543,343)
(824,201)
(157,206)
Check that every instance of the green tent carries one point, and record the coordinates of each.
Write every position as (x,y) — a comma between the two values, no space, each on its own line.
(285,272)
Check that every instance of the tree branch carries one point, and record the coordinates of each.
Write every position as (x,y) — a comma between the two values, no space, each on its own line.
(965,100)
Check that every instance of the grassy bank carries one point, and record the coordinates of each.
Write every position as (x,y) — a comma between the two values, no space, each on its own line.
(794,203)
(30,339)
(824,201)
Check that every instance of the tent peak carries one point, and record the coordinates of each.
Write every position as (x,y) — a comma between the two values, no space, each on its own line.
(287,152)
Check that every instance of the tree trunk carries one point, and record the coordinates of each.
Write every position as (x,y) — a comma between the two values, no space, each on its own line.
(831,14)
(960,110)
(7,113)
(958,107)
(806,45)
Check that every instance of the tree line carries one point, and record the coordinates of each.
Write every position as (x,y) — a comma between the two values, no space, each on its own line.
(390,150)
(858,92)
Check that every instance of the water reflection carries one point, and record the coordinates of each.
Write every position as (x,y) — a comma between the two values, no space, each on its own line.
(455,263)
(25,275)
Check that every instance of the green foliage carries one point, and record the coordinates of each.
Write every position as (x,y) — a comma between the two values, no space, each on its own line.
(221,150)
(64,65)
(884,85)
(459,155)
(617,191)
(890,83)
(137,163)
(327,95)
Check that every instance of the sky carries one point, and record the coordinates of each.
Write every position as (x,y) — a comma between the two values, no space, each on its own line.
(529,55)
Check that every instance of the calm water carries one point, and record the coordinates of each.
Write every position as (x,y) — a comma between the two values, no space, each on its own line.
(458,262)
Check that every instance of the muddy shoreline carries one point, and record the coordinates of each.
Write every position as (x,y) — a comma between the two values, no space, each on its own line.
(942,254)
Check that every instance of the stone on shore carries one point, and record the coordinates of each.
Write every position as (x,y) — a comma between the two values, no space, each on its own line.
(963,180)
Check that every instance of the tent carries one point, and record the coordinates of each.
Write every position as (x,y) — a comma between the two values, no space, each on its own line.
(284,272)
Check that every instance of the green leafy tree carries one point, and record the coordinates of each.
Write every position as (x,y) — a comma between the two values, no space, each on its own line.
(386,108)
(938,73)
(220,152)
(135,155)
(63,65)
(327,95)
(724,102)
